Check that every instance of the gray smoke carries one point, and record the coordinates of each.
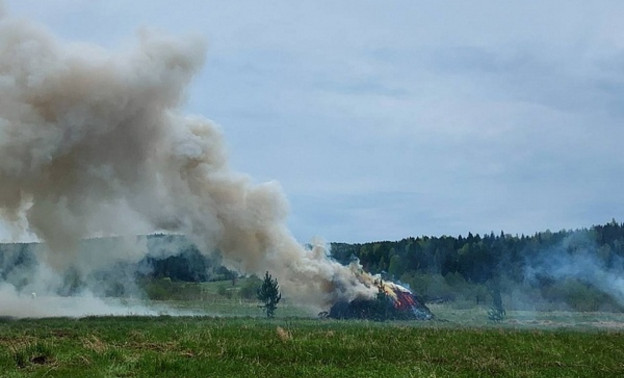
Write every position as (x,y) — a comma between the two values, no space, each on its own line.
(93,143)
(577,258)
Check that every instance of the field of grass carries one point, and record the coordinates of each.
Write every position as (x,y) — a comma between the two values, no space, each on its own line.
(220,298)
(230,337)
(210,347)
(478,317)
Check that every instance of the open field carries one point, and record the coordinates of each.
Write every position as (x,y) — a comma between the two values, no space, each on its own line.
(230,337)
(218,298)
(221,298)
(203,346)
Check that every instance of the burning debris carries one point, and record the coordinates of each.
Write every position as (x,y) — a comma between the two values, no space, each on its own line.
(392,302)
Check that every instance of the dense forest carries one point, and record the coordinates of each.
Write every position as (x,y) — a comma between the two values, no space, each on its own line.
(570,269)
(581,270)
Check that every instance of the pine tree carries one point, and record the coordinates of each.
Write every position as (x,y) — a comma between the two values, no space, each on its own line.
(269,293)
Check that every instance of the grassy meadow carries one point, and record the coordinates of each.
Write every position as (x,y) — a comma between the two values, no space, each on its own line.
(235,340)
(219,347)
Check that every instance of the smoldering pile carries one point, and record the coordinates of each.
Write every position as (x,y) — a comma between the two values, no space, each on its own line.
(393,302)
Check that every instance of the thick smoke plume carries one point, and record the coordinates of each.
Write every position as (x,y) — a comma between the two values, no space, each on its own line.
(93,143)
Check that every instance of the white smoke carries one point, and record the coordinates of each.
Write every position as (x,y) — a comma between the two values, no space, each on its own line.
(577,257)
(93,143)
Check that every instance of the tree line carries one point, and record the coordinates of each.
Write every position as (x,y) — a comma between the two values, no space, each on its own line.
(568,269)
(547,269)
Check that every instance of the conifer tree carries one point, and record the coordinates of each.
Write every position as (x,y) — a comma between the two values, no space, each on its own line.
(269,294)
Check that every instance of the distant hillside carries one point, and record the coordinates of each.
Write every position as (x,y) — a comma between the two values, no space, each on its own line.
(112,266)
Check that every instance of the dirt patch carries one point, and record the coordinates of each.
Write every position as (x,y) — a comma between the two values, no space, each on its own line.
(39,360)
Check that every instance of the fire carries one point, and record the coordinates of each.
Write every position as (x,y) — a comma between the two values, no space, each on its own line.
(402,298)
(392,302)
(404,301)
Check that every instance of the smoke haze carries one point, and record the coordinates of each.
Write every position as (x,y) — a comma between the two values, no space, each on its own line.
(93,143)
(577,258)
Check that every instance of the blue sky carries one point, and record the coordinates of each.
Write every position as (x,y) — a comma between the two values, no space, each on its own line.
(383,120)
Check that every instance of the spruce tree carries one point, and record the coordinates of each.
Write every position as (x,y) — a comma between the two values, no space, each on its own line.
(269,294)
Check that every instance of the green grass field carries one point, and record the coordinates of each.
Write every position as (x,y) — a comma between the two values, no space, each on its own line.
(219,347)
(237,341)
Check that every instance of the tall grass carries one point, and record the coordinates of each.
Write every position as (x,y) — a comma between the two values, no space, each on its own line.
(203,347)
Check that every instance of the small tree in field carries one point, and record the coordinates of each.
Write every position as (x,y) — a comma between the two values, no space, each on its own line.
(496,313)
(269,294)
